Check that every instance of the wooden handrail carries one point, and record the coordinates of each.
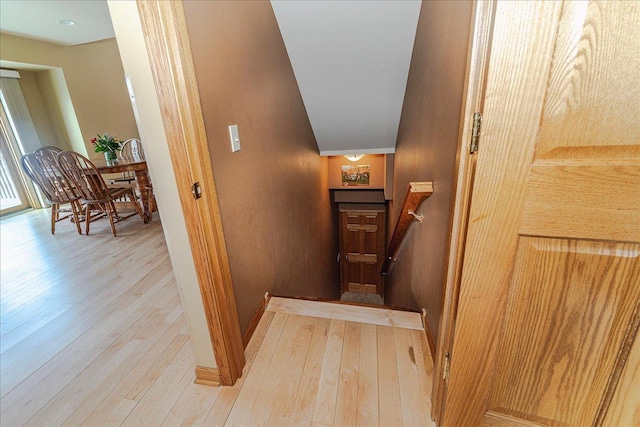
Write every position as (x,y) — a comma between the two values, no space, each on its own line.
(418,192)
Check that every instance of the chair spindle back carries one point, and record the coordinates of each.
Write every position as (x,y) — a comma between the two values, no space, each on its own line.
(50,179)
(85,175)
(49,152)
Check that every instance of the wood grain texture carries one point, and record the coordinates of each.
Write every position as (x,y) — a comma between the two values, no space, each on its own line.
(346,312)
(368,393)
(171,61)
(251,385)
(290,382)
(307,392)
(556,369)
(347,397)
(362,240)
(416,194)
(496,419)
(86,331)
(412,405)
(424,368)
(605,196)
(255,320)
(559,308)
(219,412)
(325,405)
(124,357)
(292,347)
(591,108)
(509,97)
(624,409)
(207,376)
(428,335)
(388,378)
(617,402)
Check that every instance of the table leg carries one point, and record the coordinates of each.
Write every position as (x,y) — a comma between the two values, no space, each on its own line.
(142,185)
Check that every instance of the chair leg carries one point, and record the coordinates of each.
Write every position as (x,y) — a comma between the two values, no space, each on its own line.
(111,210)
(54,214)
(76,216)
(136,205)
(151,202)
(87,218)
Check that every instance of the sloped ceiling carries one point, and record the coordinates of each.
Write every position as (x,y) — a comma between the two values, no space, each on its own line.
(38,19)
(351,60)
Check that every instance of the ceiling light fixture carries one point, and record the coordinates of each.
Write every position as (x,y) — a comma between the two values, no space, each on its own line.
(66,22)
(354,157)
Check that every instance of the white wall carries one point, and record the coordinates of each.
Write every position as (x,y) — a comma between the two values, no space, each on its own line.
(126,23)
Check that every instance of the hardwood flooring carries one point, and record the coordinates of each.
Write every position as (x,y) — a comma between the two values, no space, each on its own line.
(92,333)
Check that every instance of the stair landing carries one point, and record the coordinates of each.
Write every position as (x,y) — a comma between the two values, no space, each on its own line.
(319,363)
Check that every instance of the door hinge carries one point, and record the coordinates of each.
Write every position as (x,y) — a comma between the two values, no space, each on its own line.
(446,367)
(475,132)
(196,190)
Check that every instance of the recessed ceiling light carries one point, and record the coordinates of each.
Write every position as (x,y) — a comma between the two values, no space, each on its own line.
(354,157)
(66,22)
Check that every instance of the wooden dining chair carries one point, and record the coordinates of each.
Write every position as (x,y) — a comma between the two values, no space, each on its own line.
(49,152)
(93,189)
(56,189)
(131,152)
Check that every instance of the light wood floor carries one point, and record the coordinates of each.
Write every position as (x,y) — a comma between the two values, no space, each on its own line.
(84,342)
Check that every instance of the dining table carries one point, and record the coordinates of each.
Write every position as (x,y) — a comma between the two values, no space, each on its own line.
(141,174)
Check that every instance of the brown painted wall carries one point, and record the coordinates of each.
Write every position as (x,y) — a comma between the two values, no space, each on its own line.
(273,193)
(426,151)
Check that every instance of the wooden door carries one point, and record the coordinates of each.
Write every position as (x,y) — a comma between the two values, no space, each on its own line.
(549,302)
(362,249)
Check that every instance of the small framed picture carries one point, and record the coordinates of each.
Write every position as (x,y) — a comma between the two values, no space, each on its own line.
(355,175)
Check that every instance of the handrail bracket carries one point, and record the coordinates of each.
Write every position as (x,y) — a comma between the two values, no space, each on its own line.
(419,217)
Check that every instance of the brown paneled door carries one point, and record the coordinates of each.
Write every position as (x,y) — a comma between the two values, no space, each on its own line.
(549,308)
(362,248)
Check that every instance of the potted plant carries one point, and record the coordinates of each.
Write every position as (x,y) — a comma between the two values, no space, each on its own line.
(109,145)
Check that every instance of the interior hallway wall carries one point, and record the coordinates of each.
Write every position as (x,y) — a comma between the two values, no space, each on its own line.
(273,193)
(426,151)
(37,108)
(82,96)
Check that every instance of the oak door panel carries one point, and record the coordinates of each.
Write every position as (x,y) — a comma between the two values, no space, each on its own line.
(565,322)
(551,275)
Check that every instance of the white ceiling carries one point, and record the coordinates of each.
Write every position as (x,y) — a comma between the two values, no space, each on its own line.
(38,19)
(351,58)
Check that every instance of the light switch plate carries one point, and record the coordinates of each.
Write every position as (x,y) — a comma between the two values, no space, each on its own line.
(235,138)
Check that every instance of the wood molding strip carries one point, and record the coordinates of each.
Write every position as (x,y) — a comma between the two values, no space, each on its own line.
(168,47)
(207,376)
(477,67)
(621,361)
(253,324)
(429,334)
(351,313)
(417,193)
(497,419)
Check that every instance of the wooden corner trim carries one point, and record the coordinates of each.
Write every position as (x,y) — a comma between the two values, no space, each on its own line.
(427,330)
(169,52)
(207,376)
(255,320)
